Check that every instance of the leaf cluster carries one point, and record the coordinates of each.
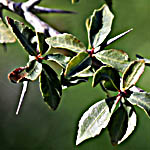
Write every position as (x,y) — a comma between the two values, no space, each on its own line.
(110,68)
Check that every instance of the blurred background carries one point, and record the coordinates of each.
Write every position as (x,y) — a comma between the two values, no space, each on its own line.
(37,127)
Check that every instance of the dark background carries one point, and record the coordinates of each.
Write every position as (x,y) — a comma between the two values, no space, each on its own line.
(37,127)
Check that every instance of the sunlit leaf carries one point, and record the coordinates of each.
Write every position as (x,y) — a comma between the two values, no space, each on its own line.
(6,35)
(108,76)
(100,25)
(66,41)
(59,59)
(33,69)
(30,72)
(50,87)
(132,119)
(78,64)
(115,58)
(109,3)
(142,100)
(24,35)
(95,119)
(132,74)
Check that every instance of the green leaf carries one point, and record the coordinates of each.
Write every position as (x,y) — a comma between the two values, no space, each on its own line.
(108,76)
(42,45)
(24,35)
(78,64)
(132,74)
(66,41)
(99,26)
(142,100)
(118,125)
(50,87)
(30,72)
(95,119)
(59,59)
(33,69)
(5,34)
(122,123)
(115,58)
(132,119)
(75,1)
(109,3)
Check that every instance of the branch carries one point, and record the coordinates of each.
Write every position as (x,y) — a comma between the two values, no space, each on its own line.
(27,9)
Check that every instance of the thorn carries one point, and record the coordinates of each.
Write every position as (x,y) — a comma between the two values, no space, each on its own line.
(25,84)
(117,37)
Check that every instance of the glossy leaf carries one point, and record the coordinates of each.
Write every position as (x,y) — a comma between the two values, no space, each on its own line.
(142,100)
(115,58)
(132,74)
(50,87)
(132,119)
(78,64)
(109,3)
(99,26)
(24,35)
(66,41)
(30,72)
(108,76)
(33,69)
(6,35)
(95,119)
(59,59)
(118,125)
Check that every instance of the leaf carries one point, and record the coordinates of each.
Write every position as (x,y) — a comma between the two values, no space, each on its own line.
(109,76)
(132,74)
(66,41)
(78,64)
(95,119)
(58,58)
(30,72)
(72,81)
(99,26)
(115,58)
(118,125)
(5,34)
(75,1)
(50,87)
(17,75)
(132,119)
(42,45)
(24,35)
(33,69)
(142,100)
(109,3)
